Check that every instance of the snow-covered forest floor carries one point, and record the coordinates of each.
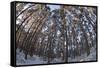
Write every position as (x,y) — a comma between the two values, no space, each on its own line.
(84,57)
(20,60)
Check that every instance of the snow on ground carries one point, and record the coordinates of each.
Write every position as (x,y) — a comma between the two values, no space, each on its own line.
(84,57)
(56,60)
(20,60)
(92,56)
(32,60)
(38,60)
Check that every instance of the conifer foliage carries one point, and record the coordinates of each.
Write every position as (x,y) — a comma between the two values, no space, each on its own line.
(56,33)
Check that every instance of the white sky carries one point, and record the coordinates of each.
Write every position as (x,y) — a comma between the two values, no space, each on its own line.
(53,7)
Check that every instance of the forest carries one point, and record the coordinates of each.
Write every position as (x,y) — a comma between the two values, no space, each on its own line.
(48,33)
